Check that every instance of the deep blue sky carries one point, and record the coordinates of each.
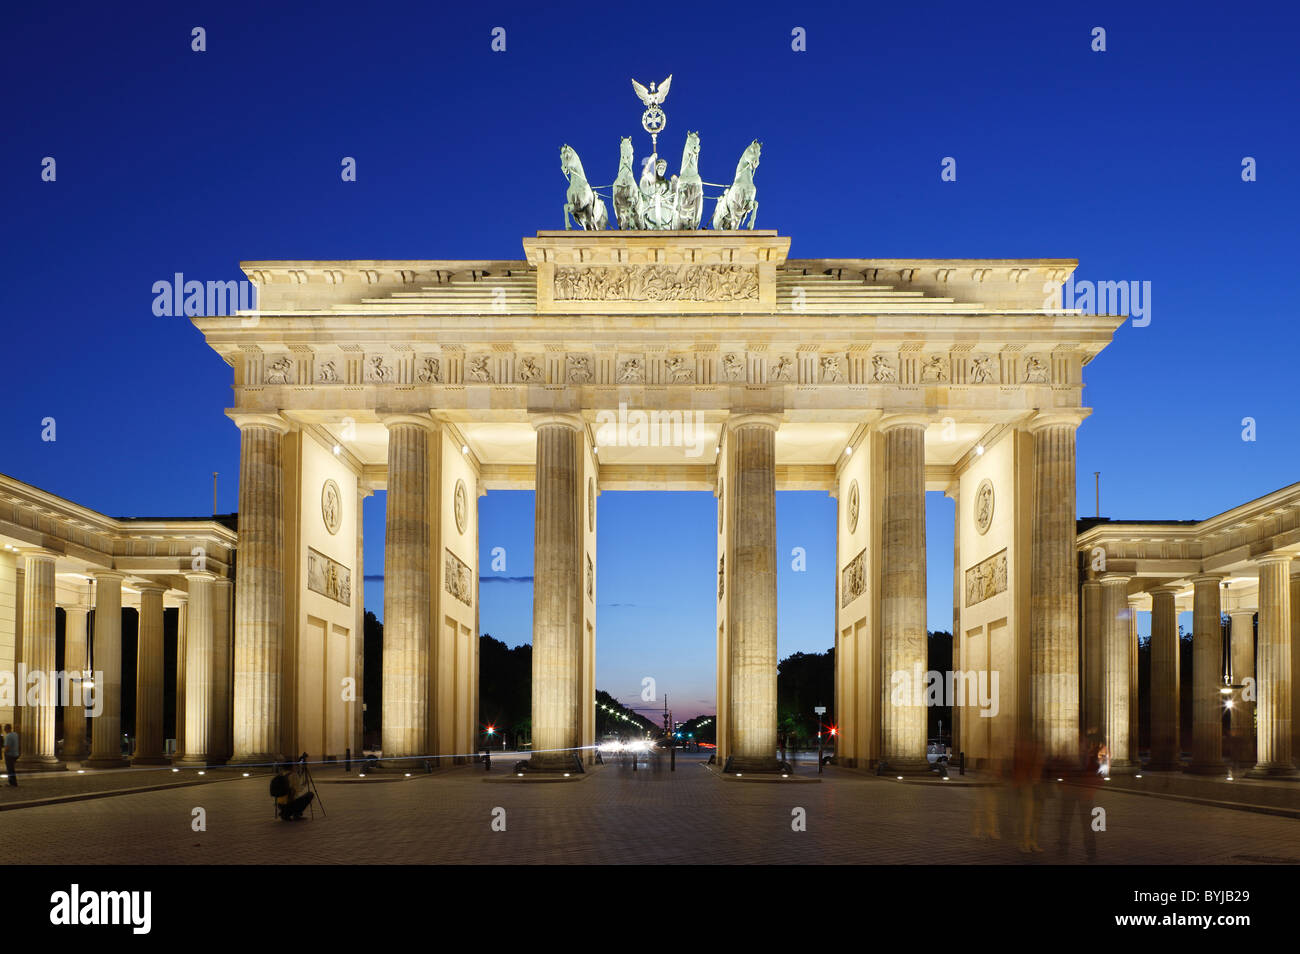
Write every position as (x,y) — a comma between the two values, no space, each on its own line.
(171,160)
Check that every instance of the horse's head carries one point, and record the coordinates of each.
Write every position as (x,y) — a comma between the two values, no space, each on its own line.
(691,153)
(569,161)
(625,153)
(752,152)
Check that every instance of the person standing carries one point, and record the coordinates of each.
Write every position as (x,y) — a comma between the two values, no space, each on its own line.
(11,753)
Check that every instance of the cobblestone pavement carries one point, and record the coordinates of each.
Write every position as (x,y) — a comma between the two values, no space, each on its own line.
(615,816)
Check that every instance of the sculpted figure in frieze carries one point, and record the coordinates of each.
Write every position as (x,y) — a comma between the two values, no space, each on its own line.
(430,372)
(478,369)
(882,371)
(935,368)
(783,370)
(679,371)
(631,371)
(529,371)
(328,373)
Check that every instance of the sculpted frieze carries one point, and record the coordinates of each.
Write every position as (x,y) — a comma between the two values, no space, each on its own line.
(656,283)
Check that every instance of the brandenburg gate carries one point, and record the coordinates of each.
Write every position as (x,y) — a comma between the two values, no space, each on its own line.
(875,380)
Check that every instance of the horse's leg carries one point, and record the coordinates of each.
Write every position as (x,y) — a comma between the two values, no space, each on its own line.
(567,209)
(753,216)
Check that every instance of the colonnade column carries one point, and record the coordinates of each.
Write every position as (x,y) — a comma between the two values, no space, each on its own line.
(1054,594)
(1094,656)
(36,723)
(1273,666)
(149,678)
(904,655)
(1207,676)
(219,727)
(1117,693)
(1242,659)
(198,669)
(259,593)
(1135,697)
(1295,661)
(407,590)
(751,718)
(106,731)
(557,592)
(182,618)
(76,654)
(1166,748)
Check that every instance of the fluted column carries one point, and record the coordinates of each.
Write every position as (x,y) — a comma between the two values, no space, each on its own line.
(1166,747)
(1054,615)
(1207,676)
(198,669)
(752,716)
(1273,666)
(1135,692)
(219,727)
(1118,695)
(1295,661)
(106,728)
(182,618)
(36,723)
(1242,640)
(904,656)
(557,592)
(1094,655)
(149,678)
(407,596)
(259,593)
(76,657)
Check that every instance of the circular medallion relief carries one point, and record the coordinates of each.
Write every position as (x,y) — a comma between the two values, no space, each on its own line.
(591,504)
(462,505)
(852,513)
(331,506)
(984,506)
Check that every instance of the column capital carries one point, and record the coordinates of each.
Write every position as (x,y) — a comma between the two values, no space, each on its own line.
(1273,559)
(1170,589)
(1204,579)
(201,575)
(772,421)
(909,419)
(416,420)
(150,586)
(1094,583)
(244,419)
(1057,417)
(1113,578)
(39,553)
(108,576)
(540,419)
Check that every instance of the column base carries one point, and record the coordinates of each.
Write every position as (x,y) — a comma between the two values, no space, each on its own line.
(752,765)
(1126,767)
(1163,765)
(905,767)
(28,763)
(1207,768)
(151,760)
(554,762)
(109,763)
(266,759)
(190,761)
(1276,770)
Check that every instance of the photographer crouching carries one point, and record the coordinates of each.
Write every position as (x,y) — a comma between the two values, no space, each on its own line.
(291,789)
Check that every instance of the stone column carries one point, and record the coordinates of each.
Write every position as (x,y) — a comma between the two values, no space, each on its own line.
(1274,668)
(149,678)
(76,647)
(220,683)
(182,615)
(1242,640)
(752,576)
(1135,695)
(1117,694)
(904,656)
(1094,654)
(198,670)
(36,723)
(1207,676)
(1054,593)
(1166,748)
(407,595)
(1295,661)
(557,593)
(259,593)
(106,729)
